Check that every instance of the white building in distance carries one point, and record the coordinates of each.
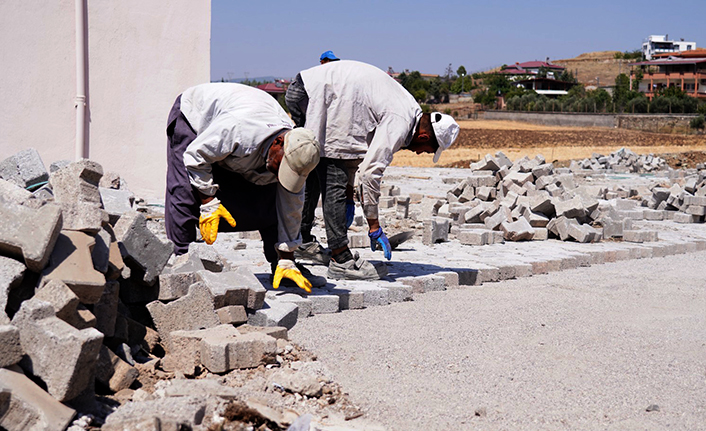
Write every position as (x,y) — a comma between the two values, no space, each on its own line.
(656,44)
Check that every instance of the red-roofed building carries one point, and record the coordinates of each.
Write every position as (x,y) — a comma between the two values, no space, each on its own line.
(686,71)
(540,76)
(275,88)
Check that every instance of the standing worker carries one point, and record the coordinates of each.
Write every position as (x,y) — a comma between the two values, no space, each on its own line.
(310,248)
(361,117)
(235,158)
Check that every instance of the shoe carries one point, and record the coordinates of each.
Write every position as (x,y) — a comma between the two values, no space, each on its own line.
(312,251)
(315,280)
(355,269)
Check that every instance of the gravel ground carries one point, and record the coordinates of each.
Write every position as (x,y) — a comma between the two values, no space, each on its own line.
(590,348)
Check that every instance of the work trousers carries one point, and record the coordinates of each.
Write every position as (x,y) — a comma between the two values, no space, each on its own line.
(252,206)
(333,175)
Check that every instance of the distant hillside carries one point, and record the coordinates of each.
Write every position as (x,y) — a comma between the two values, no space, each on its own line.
(596,68)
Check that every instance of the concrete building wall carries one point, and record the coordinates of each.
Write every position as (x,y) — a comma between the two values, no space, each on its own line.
(141,56)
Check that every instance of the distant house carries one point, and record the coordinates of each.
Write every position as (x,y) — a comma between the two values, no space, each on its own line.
(396,75)
(275,88)
(657,44)
(540,76)
(685,70)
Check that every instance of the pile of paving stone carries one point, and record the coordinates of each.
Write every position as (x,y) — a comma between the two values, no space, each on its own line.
(622,161)
(88,294)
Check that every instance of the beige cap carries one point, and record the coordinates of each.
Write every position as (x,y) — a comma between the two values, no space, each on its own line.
(301,155)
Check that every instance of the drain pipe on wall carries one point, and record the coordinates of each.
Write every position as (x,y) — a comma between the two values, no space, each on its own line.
(81,84)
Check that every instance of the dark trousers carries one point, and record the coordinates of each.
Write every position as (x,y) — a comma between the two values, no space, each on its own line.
(252,206)
(312,191)
(334,176)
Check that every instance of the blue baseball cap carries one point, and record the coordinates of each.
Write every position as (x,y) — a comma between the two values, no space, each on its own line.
(329,55)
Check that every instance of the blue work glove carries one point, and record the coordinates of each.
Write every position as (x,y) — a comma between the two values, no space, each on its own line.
(379,237)
(350,213)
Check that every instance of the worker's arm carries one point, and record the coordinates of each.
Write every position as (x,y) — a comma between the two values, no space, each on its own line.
(289,219)
(390,136)
(297,101)
(212,145)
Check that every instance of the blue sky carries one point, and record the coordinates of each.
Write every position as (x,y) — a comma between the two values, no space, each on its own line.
(281,38)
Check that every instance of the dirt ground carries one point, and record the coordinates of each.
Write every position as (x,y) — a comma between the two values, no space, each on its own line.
(557,144)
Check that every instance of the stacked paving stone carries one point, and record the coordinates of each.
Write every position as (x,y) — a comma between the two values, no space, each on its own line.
(623,161)
(505,201)
(683,203)
(87,290)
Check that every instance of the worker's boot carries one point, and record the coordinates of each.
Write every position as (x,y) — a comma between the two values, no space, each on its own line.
(313,252)
(356,269)
(315,280)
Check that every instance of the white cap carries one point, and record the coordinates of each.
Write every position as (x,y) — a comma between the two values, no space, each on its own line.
(301,155)
(446,131)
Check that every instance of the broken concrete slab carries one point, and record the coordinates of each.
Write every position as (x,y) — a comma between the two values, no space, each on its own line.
(66,304)
(24,169)
(114,373)
(232,315)
(140,248)
(16,221)
(10,346)
(191,312)
(59,354)
(30,407)
(11,275)
(106,309)
(171,413)
(71,263)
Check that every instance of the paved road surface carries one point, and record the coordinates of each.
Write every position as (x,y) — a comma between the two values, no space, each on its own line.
(589,348)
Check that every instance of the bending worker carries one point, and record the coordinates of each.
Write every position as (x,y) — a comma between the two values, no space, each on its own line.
(361,117)
(235,158)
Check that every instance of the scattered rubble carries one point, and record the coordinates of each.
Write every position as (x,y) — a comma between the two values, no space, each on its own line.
(98,317)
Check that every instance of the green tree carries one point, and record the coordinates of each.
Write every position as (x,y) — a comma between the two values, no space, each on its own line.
(621,92)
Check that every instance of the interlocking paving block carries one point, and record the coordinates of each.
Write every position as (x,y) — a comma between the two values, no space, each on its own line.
(83,216)
(190,387)
(16,224)
(77,182)
(349,299)
(275,313)
(450,278)
(222,352)
(191,312)
(61,355)
(113,372)
(116,202)
(210,258)
(571,208)
(239,287)
(373,295)
(30,407)
(171,413)
(304,304)
(25,169)
(276,332)
(425,283)
(100,253)
(232,314)
(10,346)
(71,263)
(473,236)
(140,248)
(519,230)
(174,286)
(11,275)
(398,292)
(436,230)
(324,304)
(106,309)
(66,304)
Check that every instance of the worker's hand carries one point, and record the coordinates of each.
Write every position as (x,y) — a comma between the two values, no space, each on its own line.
(379,237)
(350,212)
(211,214)
(287,269)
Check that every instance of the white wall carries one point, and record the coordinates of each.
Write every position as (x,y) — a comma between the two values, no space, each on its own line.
(142,55)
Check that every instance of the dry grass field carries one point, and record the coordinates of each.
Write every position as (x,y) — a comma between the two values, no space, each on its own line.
(556,144)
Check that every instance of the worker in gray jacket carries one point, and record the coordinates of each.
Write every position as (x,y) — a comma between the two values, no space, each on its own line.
(235,158)
(361,116)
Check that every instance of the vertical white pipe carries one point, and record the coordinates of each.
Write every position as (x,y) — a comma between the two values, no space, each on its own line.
(81,86)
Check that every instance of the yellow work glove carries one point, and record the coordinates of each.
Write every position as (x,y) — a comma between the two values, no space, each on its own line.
(211,214)
(287,269)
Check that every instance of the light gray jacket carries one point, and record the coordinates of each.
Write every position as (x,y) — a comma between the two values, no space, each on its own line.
(235,125)
(357,111)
